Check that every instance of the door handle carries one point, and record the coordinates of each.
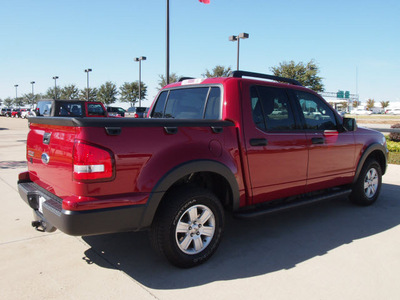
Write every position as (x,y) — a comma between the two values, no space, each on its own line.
(171,130)
(258,142)
(318,140)
(216,129)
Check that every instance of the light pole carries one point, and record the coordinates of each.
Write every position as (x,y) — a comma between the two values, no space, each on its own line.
(33,95)
(167,46)
(55,87)
(16,92)
(234,38)
(87,90)
(32,82)
(139,59)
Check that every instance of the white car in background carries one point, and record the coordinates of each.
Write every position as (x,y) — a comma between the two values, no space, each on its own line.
(360,111)
(393,111)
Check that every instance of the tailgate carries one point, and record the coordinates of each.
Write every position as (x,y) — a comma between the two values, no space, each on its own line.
(49,155)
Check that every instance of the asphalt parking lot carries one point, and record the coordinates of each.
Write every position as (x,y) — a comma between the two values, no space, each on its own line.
(333,250)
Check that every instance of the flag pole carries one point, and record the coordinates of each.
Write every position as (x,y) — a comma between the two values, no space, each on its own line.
(167,46)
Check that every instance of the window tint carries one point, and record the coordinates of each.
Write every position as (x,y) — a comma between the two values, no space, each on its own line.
(186,103)
(271,109)
(189,103)
(159,108)
(317,114)
(213,104)
(95,109)
(44,108)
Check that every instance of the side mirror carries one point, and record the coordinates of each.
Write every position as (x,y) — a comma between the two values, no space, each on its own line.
(349,124)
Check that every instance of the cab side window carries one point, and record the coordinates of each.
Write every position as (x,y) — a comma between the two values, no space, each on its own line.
(271,109)
(317,114)
(189,103)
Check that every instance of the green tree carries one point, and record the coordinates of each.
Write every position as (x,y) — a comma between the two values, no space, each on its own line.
(18,102)
(370,104)
(384,104)
(163,82)
(129,92)
(69,92)
(218,71)
(30,99)
(107,93)
(8,102)
(307,74)
(50,93)
(92,94)
(356,103)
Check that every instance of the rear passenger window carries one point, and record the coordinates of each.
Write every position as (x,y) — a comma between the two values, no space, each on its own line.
(271,109)
(189,103)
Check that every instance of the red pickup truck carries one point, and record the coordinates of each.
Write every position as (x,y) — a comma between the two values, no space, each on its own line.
(242,144)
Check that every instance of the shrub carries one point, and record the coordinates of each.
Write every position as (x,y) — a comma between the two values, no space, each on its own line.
(395,136)
(393,146)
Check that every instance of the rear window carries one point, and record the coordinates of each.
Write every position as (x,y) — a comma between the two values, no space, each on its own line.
(69,110)
(189,103)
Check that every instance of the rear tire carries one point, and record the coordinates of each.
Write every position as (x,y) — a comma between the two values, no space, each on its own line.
(368,186)
(188,226)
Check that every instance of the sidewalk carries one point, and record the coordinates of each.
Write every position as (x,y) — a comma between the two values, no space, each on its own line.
(329,251)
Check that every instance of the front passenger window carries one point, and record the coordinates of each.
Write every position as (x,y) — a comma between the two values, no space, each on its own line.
(317,114)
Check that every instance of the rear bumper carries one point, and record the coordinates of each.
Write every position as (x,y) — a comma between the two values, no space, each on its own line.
(48,208)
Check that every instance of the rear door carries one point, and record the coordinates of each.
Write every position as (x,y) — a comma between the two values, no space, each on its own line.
(276,147)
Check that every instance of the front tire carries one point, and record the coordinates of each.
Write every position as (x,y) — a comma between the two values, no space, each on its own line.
(188,226)
(368,186)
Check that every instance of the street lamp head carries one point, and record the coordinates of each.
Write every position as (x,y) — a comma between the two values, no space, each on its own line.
(139,58)
(15,85)
(55,77)
(88,70)
(32,82)
(233,38)
(243,35)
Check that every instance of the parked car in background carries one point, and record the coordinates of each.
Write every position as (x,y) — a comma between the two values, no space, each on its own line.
(115,111)
(3,111)
(393,111)
(137,112)
(25,112)
(361,111)
(16,113)
(8,112)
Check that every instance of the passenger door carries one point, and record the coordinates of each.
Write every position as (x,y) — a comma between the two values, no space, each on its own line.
(276,147)
(331,148)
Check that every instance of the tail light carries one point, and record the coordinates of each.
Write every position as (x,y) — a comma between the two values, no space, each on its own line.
(92,162)
(136,115)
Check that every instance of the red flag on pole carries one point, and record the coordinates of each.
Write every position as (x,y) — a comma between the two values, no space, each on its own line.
(205,1)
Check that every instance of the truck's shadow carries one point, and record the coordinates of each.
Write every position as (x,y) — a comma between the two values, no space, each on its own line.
(252,248)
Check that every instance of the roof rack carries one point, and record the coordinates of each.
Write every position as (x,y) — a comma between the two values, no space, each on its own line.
(240,74)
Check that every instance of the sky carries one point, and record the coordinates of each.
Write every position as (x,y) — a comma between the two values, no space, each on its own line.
(356,44)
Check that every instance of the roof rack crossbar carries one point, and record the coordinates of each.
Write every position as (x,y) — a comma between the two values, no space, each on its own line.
(184,78)
(240,74)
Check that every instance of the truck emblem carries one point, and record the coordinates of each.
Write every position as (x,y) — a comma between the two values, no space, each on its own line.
(45,158)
